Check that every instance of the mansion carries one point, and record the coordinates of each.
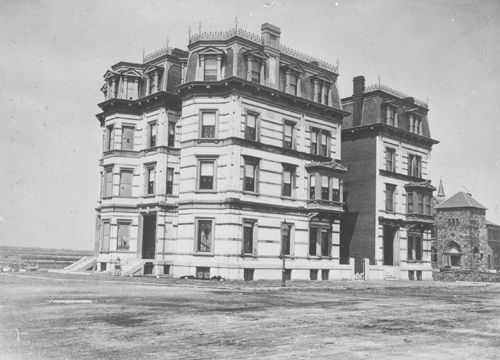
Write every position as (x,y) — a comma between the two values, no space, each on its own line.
(237,156)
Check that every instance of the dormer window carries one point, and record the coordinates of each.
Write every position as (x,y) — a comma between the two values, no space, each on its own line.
(255,72)
(152,85)
(153,79)
(415,124)
(323,92)
(210,70)
(293,84)
(392,116)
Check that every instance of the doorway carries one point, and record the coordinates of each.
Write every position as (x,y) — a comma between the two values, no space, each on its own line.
(149,237)
(389,233)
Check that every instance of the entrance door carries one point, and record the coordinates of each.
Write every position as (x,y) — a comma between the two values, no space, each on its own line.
(389,245)
(149,237)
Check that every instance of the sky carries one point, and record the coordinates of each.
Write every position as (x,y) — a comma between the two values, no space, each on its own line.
(53,55)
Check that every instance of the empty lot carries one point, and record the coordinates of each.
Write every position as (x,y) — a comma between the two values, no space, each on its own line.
(55,316)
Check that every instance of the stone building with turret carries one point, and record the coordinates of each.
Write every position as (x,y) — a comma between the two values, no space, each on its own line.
(465,239)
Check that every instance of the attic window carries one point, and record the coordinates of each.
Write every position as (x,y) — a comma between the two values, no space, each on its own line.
(210,71)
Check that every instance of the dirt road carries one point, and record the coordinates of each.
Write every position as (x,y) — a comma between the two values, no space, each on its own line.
(89,317)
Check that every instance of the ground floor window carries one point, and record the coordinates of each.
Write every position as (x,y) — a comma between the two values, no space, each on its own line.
(325,274)
(103,266)
(419,275)
(248,274)
(411,275)
(320,241)
(166,269)
(203,272)
(313,274)
(415,247)
(288,274)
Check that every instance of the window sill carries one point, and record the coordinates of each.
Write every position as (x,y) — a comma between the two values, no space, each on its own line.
(149,196)
(205,192)
(126,251)
(414,261)
(246,192)
(208,254)
(248,255)
(207,140)
(288,198)
(107,197)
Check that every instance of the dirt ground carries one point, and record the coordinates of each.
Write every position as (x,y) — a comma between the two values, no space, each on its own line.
(59,316)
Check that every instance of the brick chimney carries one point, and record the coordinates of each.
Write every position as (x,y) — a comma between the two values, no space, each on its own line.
(357,99)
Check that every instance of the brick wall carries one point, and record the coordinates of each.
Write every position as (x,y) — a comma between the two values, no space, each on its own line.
(358,230)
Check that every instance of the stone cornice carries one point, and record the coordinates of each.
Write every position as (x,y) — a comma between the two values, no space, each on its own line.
(274,97)
(139,106)
(371,130)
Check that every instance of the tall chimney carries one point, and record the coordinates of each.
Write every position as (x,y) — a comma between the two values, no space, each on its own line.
(357,99)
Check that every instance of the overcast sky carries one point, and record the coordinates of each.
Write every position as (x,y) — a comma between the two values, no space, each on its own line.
(54,54)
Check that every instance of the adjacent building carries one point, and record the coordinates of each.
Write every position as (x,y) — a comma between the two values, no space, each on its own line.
(223,159)
(386,146)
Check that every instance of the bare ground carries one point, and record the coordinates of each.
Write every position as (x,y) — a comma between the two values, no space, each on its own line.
(61,316)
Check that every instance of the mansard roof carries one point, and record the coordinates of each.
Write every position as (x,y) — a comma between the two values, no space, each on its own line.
(460,200)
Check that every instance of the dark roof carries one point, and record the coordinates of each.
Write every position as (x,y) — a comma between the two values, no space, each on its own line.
(460,200)
(491,223)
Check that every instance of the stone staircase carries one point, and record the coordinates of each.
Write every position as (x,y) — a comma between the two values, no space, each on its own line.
(83,264)
(132,267)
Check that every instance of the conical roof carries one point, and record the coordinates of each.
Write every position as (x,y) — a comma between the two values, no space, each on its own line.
(460,200)
(441,189)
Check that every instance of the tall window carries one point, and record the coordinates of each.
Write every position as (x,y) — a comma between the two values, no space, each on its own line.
(208,124)
(420,199)
(108,182)
(126,182)
(210,71)
(391,116)
(320,241)
(152,131)
(106,229)
(288,181)
(320,142)
(433,254)
(110,137)
(409,201)
(335,188)
(390,164)
(288,135)
(286,240)
(313,240)
(248,236)
(414,247)
(255,71)
(320,94)
(414,165)
(389,197)
(325,188)
(293,84)
(312,186)
(128,138)
(150,180)
(152,84)
(171,133)
(123,236)
(250,177)
(206,171)
(170,181)
(325,97)
(251,126)
(204,236)
(428,205)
